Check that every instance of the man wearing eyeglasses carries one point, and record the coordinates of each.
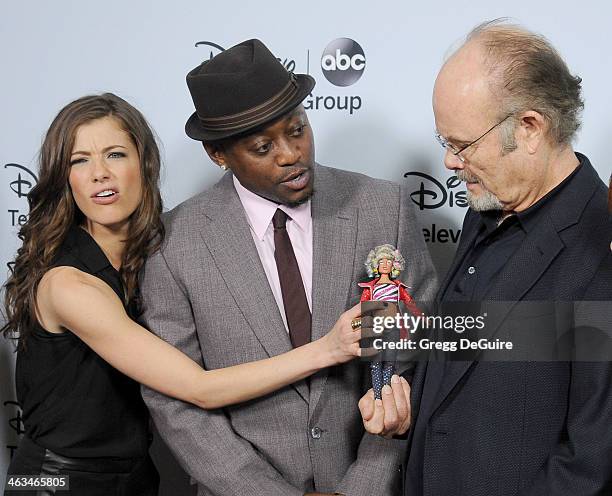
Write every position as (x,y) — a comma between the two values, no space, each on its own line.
(507,109)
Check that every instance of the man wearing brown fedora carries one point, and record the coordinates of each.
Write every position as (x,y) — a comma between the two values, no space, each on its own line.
(266,260)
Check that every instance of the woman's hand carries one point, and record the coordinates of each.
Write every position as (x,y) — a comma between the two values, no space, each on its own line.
(341,344)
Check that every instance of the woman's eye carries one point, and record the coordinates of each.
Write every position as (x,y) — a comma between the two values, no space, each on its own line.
(116,155)
(77,161)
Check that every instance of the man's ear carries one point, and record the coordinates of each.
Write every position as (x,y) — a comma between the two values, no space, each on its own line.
(533,127)
(216,153)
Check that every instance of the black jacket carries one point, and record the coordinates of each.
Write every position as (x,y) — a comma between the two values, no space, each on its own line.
(524,428)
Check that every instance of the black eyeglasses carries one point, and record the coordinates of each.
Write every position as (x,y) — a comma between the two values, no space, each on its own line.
(456,152)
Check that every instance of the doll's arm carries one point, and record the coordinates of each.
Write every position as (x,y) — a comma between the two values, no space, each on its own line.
(365,296)
(409,302)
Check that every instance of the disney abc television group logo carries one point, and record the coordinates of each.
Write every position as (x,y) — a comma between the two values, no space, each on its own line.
(215,49)
(21,186)
(15,424)
(431,194)
(342,63)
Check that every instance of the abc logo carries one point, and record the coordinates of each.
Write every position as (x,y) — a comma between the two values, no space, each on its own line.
(343,62)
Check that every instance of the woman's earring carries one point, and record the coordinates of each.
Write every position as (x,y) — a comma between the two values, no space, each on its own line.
(223,167)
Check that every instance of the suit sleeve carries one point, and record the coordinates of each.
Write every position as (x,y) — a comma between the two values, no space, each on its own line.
(203,441)
(377,467)
(376,470)
(581,464)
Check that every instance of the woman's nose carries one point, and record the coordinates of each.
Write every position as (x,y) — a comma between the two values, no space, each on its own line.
(100,170)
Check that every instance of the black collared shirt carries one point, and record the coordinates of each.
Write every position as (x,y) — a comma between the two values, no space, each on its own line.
(495,243)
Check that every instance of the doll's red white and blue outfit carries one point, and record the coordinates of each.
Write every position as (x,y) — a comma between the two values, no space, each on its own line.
(393,291)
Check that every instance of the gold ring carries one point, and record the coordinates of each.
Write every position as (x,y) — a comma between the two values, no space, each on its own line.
(355,324)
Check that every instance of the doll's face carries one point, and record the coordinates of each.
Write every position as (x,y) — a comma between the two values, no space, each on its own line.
(385,266)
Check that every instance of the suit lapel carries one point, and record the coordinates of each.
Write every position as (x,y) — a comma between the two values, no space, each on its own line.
(334,240)
(537,252)
(532,258)
(226,234)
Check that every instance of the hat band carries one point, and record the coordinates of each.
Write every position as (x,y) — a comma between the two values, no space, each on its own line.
(255,115)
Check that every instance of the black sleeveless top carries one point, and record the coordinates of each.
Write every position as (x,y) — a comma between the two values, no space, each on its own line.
(73,402)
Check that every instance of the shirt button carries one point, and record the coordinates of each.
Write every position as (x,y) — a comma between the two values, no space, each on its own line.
(471,270)
(315,432)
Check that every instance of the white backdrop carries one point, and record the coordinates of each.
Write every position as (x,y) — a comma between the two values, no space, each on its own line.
(54,52)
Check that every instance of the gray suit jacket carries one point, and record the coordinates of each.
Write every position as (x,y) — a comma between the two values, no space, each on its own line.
(206,293)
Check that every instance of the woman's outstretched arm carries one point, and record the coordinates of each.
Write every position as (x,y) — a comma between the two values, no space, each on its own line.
(69,299)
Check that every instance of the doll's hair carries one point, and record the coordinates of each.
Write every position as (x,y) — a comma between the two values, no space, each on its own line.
(381,252)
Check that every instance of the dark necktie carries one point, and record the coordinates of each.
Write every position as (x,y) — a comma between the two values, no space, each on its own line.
(292,287)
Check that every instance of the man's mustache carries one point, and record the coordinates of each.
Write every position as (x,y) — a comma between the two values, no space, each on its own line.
(465,176)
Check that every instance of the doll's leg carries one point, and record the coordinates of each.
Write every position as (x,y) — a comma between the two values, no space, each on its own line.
(377,378)
(388,369)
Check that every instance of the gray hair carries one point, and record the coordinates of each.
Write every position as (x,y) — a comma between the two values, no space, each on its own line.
(388,252)
(529,74)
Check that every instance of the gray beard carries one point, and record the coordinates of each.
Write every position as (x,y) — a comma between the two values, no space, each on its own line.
(485,201)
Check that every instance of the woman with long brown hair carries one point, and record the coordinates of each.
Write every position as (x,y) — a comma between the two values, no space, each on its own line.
(72,301)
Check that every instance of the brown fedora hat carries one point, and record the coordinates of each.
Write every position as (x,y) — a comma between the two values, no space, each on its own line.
(241,89)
